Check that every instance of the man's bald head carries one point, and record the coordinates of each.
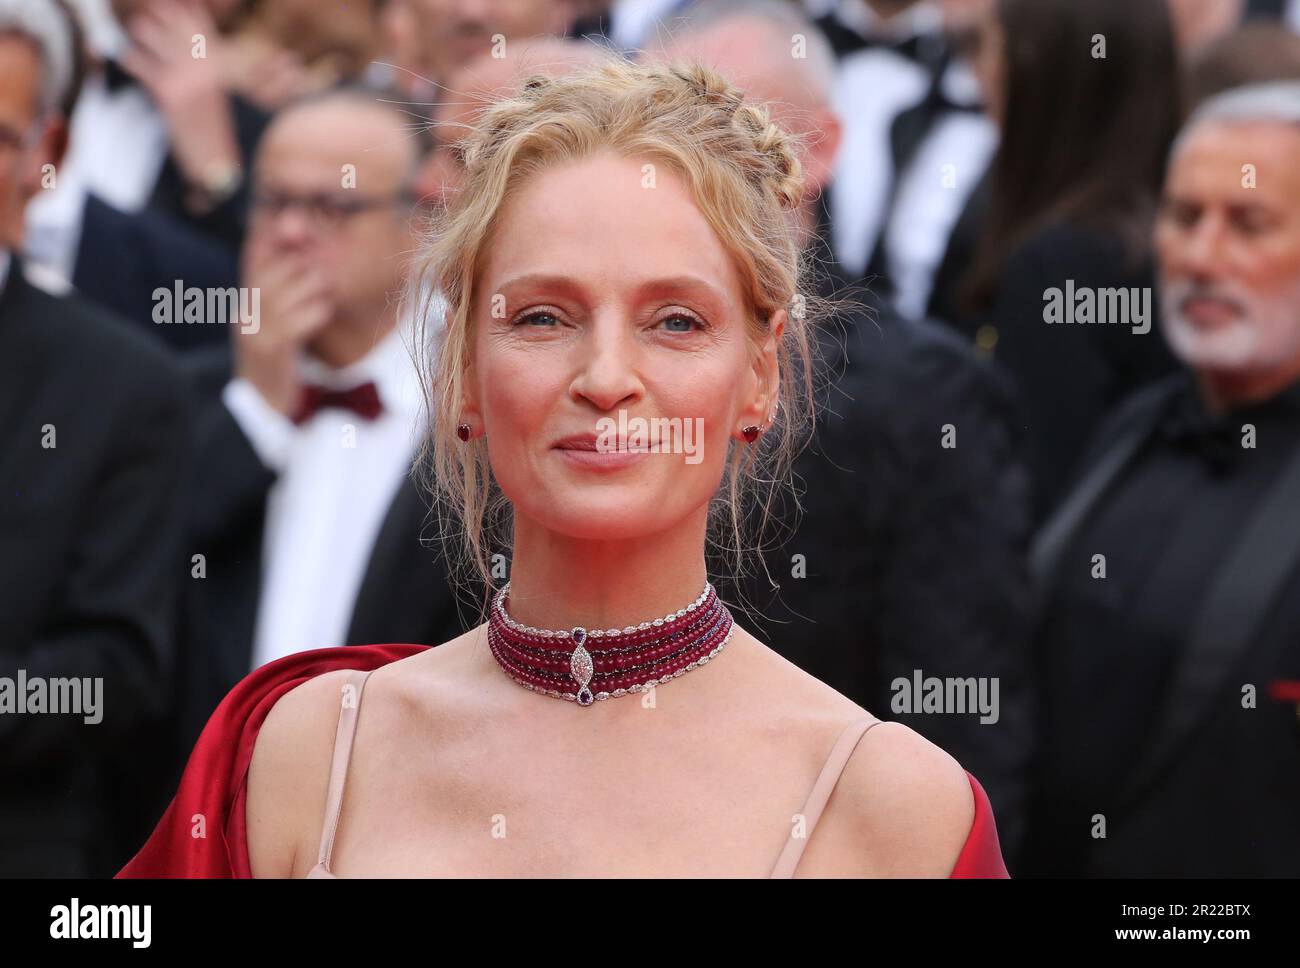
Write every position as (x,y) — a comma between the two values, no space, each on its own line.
(332,184)
(370,128)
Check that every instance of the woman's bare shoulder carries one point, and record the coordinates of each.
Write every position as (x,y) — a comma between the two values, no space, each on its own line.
(904,804)
(902,807)
(289,774)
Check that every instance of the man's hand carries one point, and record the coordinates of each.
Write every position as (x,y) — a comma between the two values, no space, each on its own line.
(187,88)
(295,305)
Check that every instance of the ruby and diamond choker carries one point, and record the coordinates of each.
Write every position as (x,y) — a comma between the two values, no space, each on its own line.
(583,666)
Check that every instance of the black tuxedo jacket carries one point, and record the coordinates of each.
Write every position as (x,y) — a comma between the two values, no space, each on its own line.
(404,596)
(907,133)
(123,258)
(914,554)
(1174,811)
(89,530)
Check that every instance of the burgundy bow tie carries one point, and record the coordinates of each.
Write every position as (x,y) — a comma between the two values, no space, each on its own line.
(362,399)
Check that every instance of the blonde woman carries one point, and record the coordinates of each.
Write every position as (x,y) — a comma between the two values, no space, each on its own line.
(624,375)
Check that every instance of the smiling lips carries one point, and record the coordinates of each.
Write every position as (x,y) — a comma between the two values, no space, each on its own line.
(580,450)
(588,442)
(577,442)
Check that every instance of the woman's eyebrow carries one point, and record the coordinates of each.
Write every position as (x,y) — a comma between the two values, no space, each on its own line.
(686,284)
(541,280)
(665,284)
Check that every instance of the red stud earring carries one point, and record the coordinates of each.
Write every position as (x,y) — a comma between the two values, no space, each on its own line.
(751,433)
(463,431)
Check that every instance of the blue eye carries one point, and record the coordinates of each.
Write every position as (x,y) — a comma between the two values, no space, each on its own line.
(692,322)
(543,317)
(537,314)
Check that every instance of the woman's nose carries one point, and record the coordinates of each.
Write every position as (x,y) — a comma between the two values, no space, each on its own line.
(608,371)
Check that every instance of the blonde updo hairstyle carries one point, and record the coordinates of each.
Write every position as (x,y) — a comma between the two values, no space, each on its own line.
(745,177)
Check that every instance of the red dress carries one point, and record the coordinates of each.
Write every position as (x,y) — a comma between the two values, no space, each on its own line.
(202,833)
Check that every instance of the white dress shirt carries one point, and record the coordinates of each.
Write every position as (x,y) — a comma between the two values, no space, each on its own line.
(873,87)
(338,476)
(934,191)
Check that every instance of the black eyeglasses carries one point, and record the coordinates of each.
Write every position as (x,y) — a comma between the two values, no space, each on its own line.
(323,210)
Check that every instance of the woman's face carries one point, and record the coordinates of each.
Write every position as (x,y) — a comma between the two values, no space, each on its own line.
(605,303)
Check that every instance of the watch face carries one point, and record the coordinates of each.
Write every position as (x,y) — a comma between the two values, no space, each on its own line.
(224,180)
(218,185)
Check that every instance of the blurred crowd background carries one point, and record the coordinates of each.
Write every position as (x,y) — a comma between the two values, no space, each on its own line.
(1058,459)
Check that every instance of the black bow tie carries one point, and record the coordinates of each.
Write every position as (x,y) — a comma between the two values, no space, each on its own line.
(924,49)
(929,52)
(116,77)
(1187,426)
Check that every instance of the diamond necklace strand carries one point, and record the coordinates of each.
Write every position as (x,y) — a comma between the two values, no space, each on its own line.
(543,660)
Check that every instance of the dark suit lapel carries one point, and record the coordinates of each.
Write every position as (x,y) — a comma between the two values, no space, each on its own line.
(1227,622)
(1055,536)
(21,389)
(907,132)
(405,595)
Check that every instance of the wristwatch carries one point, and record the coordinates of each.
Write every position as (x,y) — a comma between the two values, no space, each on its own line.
(218,183)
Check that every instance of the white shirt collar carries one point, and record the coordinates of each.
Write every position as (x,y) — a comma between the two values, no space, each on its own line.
(108,38)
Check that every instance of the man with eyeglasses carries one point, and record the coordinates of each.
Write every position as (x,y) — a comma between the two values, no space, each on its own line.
(302,504)
(93,427)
